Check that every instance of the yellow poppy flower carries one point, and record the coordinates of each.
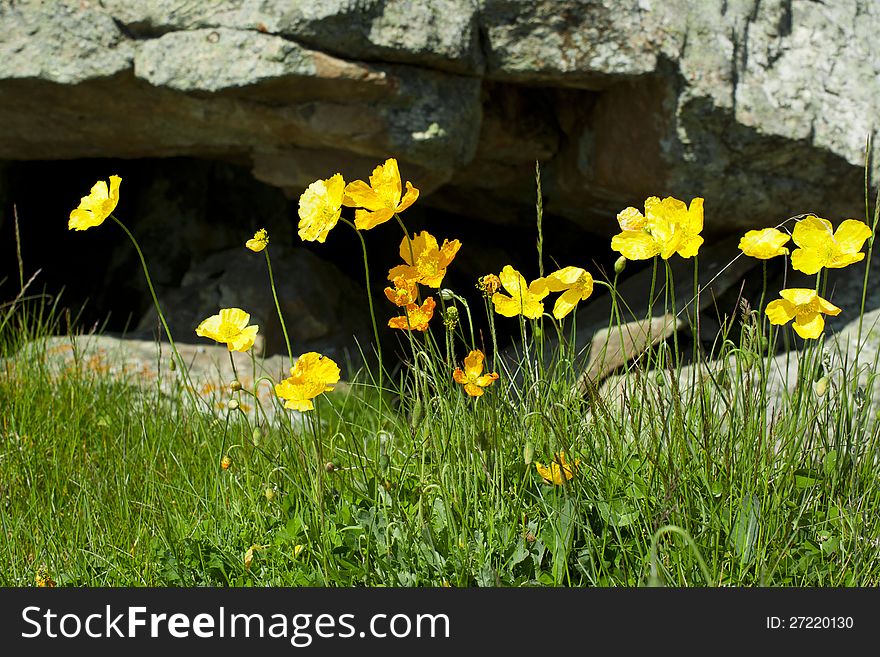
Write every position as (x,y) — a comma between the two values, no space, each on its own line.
(523,300)
(576,285)
(418,317)
(472,378)
(320,207)
(559,471)
(404,292)
(820,246)
(259,242)
(764,244)
(803,306)
(427,262)
(311,375)
(667,227)
(381,199)
(230,326)
(97,206)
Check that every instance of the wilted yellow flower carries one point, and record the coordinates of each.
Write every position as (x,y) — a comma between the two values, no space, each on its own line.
(249,555)
(311,375)
(97,206)
(230,326)
(667,227)
(320,207)
(259,241)
(381,199)
(226,462)
(404,293)
(803,306)
(472,378)
(576,285)
(523,300)
(43,579)
(488,284)
(297,550)
(821,246)
(559,471)
(765,243)
(427,262)
(416,317)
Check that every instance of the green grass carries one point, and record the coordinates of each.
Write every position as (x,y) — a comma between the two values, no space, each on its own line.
(108,484)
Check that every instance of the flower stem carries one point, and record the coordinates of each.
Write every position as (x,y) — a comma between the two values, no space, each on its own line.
(278,306)
(369,299)
(177,355)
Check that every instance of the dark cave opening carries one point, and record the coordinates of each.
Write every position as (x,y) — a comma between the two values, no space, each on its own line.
(182,210)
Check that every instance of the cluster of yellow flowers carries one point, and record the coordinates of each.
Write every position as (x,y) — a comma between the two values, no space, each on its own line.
(819,246)
(667,227)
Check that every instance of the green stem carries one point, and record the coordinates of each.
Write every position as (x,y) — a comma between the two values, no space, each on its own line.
(278,306)
(369,299)
(181,364)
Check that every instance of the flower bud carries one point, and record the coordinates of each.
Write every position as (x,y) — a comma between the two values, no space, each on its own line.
(820,387)
(620,265)
(270,493)
(235,386)
(232,404)
(446,294)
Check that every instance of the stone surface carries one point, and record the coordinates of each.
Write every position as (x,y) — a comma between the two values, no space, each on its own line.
(146,364)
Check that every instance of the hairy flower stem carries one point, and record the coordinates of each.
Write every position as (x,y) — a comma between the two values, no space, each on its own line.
(177,356)
(278,306)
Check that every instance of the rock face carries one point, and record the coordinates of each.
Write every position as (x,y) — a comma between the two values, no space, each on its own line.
(763,108)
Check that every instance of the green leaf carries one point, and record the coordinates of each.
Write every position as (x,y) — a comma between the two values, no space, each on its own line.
(745,529)
(617,513)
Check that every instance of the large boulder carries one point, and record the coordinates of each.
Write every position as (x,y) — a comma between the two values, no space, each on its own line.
(763,108)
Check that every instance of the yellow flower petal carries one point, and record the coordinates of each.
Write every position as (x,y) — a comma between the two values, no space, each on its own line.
(799,296)
(780,311)
(320,207)
(812,232)
(97,206)
(851,235)
(630,219)
(809,325)
(635,245)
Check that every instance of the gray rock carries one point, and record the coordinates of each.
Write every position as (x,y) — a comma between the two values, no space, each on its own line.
(438,34)
(62,42)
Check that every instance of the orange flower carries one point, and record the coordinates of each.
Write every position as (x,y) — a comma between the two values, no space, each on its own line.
(404,293)
(416,317)
(472,378)
(426,261)
(488,284)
